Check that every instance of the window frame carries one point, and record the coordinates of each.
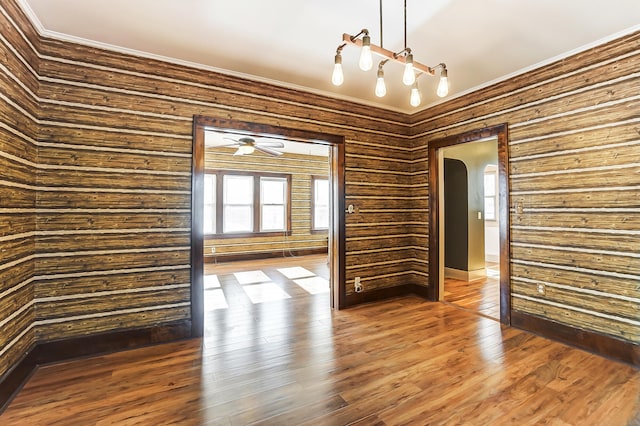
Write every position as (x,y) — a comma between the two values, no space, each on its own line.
(262,203)
(315,178)
(494,197)
(257,205)
(225,204)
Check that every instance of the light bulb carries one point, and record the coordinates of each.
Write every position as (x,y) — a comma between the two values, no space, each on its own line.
(409,76)
(381,87)
(337,78)
(245,149)
(415,96)
(366,60)
(443,85)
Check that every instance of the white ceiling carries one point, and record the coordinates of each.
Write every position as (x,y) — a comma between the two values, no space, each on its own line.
(292,42)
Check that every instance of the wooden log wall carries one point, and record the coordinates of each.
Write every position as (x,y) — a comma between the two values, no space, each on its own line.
(113,172)
(96,170)
(574,130)
(301,168)
(18,157)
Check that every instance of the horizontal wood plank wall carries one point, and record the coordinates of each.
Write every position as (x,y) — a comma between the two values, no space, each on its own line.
(574,170)
(113,173)
(18,157)
(302,168)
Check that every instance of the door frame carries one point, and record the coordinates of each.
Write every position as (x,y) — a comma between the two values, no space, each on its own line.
(337,232)
(501,132)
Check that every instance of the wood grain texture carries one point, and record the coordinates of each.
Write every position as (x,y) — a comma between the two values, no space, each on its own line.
(18,156)
(94,141)
(574,161)
(294,361)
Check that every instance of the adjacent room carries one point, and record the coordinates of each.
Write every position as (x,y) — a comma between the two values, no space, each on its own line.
(385,213)
(266,226)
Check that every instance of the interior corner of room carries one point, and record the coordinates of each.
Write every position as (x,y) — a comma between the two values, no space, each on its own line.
(284,250)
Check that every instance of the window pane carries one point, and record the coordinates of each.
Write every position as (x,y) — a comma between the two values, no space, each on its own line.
(209,217)
(238,219)
(489,184)
(321,204)
(489,208)
(238,189)
(273,190)
(321,217)
(209,189)
(273,218)
(209,220)
(322,192)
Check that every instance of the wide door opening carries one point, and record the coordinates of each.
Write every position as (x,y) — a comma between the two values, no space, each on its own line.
(268,229)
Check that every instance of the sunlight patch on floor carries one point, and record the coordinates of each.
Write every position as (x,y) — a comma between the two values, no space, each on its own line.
(251,277)
(296,272)
(313,285)
(265,292)
(214,299)
(211,281)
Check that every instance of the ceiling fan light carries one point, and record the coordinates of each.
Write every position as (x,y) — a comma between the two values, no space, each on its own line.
(245,149)
(366,59)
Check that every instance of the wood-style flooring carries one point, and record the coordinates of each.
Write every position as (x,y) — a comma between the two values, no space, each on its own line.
(480,296)
(295,361)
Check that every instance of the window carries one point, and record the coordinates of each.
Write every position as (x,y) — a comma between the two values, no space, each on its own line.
(273,203)
(209,204)
(490,184)
(320,207)
(238,203)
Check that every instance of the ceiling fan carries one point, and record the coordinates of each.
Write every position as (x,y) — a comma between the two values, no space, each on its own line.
(247,145)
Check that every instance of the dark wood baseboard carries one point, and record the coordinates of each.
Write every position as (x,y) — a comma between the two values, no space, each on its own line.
(77,347)
(600,344)
(219,258)
(386,293)
(13,380)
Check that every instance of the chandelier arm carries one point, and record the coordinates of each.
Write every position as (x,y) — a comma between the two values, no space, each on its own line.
(363,31)
(388,54)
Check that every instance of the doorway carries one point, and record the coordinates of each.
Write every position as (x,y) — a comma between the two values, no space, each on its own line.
(239,130)
(473,216)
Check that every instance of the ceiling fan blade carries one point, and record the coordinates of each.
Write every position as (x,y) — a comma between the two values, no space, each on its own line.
(238,152)
(268,150)
(271,144)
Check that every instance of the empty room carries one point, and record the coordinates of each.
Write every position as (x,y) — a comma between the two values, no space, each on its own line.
(367,212)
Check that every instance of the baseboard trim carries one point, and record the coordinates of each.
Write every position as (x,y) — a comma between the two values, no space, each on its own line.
(214,258)
(83,346)
(13,380)
(599,344)
(386,293)
(458,274)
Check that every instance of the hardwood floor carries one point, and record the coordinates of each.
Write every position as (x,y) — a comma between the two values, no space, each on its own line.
(479,296)
(294,361)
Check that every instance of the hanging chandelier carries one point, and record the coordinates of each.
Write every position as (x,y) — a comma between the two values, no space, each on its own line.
(412,69)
